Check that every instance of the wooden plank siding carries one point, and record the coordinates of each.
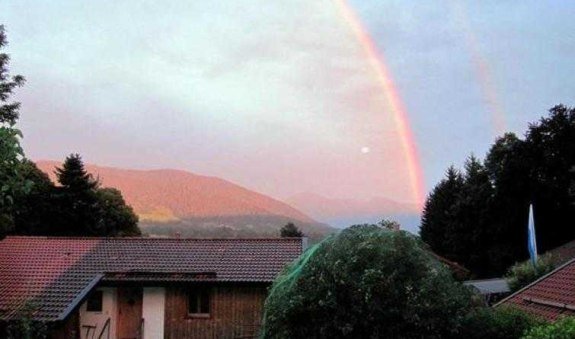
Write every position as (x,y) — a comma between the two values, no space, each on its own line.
(235,312)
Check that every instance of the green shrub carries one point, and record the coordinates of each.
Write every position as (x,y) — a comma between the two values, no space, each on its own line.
(25,327)
(497,323)
(522,274)
(561,329)
(366,282)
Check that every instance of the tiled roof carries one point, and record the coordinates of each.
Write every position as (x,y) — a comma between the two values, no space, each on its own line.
(48,273)
(563,253)
(549,297)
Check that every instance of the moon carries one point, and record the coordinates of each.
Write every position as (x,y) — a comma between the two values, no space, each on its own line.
(365,150)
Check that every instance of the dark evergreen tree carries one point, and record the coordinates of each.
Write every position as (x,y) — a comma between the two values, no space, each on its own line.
(77,200)
(438,220)
(551,147)
(290,230)
(508,166)
(85,209)
(482,223)
(472,233)
(74,177)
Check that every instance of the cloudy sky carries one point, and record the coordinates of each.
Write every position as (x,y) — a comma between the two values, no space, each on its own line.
(280,96)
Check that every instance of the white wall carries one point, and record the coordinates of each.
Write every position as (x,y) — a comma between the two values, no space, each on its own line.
(98,319)
(153,312)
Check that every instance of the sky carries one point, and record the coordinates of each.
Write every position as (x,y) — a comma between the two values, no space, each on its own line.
(291,96)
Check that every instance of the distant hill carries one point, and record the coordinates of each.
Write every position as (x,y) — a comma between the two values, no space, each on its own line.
(344,212)
(169,201)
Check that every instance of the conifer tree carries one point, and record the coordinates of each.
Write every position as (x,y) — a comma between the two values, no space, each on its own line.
(438,220)
(73,176)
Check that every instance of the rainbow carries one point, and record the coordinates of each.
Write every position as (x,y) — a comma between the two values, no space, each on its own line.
(482,69)
(398,111)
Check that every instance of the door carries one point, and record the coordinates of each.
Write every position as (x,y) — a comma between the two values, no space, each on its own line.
(129,312)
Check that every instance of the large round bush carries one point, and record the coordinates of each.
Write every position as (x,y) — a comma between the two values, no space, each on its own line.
(366,282)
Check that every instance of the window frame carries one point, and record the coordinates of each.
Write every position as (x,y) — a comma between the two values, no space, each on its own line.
(90,300)
(199,292)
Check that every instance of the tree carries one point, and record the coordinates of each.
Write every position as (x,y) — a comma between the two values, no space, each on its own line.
(497,323)
(74,177)
(11,152)
(508,166)
(563,328)
(390,225)
(77,200)
(481,222)
(472,232)
(524,273)
(438,217)
(552,156)
(117,218)
(34,211)
(85,209)
(366,282)
(290,230)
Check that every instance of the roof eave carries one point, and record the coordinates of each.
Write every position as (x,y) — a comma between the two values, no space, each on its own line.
(80,297)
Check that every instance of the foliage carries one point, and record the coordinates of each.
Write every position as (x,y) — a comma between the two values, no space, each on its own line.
(561,329)
(523,273)
(290,230)
(439,214)
(508,167)
(11,152)
(366,282)
(390,225)
(235,226)
(35,209)
(74,177)
(479,218)
(78,207)
(552,156)
(456,217)
(496,323)
(85,209)
(77,200)
(117,218)
(25,327)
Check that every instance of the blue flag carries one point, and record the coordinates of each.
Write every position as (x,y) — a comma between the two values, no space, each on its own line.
(531,241)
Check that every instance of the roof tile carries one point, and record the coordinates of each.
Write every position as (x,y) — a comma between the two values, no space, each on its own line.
(550,297)
(49,272)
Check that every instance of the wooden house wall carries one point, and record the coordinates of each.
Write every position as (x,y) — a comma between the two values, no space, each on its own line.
(235,312)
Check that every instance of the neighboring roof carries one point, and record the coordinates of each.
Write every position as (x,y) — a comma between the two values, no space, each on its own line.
(563,253)
(489,286)
(51,273)
(548,297)
(458,271)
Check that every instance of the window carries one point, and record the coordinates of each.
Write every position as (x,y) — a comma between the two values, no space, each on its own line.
(199,302)
(94,303)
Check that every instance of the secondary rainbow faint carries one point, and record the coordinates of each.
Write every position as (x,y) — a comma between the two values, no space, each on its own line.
(482,69)
(397,108)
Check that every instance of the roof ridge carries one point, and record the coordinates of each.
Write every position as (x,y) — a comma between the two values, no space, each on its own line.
(150,238)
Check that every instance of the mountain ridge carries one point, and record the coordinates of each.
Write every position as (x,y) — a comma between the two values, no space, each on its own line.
(165,195)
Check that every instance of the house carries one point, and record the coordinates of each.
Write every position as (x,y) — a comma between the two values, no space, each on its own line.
(549,297)
(141,287)
(492,290)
